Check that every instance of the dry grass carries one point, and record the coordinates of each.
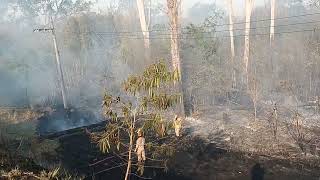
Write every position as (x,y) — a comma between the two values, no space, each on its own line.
(14,116)
(240,132)
(54,174)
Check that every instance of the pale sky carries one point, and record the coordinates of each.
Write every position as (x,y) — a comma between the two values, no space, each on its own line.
(238,5)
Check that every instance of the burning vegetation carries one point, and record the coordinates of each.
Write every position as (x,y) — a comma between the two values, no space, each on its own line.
(151,91)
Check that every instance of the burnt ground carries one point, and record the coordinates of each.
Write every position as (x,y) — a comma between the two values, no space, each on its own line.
(206,152)
(60,120)
(195,159)
(206,161)
(80,156)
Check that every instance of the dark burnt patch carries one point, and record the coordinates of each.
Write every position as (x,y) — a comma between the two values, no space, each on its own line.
(60,120)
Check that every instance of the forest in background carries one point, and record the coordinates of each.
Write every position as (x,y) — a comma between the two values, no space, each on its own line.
(99,50)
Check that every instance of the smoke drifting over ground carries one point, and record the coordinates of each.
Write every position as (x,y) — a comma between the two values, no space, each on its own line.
(28,67)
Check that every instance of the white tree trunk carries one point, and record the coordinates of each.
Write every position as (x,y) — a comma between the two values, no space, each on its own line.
(144,27)
(173,12)
(272,16)
(271,42)
(230,9)
(248,9)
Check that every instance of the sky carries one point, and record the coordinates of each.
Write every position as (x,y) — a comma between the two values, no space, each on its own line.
(238,5)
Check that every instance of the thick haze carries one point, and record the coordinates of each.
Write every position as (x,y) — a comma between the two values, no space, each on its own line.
(94,60)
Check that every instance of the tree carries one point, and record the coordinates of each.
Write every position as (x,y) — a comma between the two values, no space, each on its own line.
(54,9)
(233,73)
(85,64)
(205,77)
(144,27)
(272,15)
(248,11)
(148,98)
(173,13)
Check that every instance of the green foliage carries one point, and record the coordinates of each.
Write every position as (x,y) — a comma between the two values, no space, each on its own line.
(149,89)
(200,41)
(33,8)
(149,95)
(204,71)
(151,79)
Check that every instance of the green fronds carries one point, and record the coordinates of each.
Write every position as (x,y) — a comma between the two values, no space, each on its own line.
(104,144)
(126,111)
(152,78)
(161,101)
(133,84)
(107,103)
(157,125)
(109,138)
(144,104)
(164,101)
(153,92)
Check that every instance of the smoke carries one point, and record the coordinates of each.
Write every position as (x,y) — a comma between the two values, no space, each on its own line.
(287,62)
(95,60)
(28,70)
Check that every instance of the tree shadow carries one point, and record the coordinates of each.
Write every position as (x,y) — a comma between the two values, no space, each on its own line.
(257,172)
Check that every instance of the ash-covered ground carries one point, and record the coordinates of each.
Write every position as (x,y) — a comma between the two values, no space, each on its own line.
(290,153)
(218,142)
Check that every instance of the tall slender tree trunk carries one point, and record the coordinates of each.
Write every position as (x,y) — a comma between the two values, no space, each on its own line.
(61,80)
(248,9)
(233,72)
(144,28)
(173,13)
(272,15)
(271,43)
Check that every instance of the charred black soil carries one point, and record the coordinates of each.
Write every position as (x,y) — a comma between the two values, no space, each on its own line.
(194,159)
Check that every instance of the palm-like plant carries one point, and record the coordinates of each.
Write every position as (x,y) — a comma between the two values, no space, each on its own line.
(149,96)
